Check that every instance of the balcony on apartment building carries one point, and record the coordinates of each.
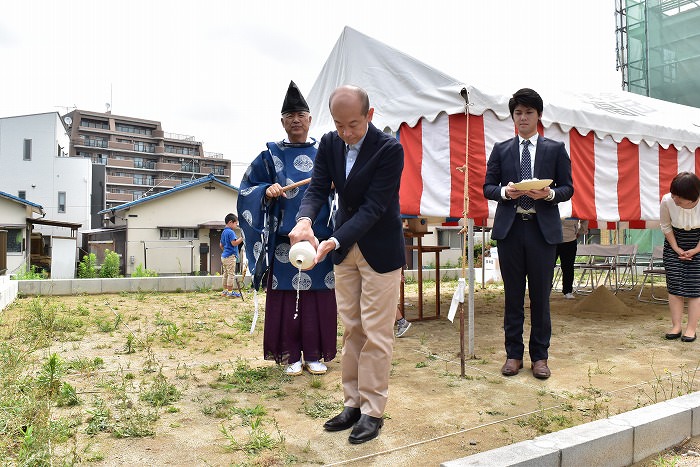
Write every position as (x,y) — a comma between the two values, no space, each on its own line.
(139,180)
(90,142)
(119,197)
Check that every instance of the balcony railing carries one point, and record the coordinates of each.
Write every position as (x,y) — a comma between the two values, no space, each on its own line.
(144,164)
(95,143)
(214,155)
(179,137)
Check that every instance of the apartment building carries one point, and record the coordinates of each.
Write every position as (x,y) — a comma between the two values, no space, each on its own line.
(138,156)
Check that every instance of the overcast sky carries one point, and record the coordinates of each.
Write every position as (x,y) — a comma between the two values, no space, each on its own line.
(218,70)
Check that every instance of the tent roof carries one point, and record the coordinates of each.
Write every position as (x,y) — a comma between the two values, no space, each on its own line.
(404,90)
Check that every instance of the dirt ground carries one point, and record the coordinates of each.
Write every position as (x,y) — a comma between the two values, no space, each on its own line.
(608,355)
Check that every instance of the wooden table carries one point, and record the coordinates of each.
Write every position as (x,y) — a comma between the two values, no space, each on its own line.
(420,248)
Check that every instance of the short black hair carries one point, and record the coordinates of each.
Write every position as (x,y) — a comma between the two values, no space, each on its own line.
(527,98)
(230,217)
(686,185)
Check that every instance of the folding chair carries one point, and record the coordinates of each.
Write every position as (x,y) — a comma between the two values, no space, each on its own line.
(599,268)
(655,269)
(627,267)
(578,263)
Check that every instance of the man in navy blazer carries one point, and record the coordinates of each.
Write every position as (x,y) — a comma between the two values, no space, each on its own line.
(527,228)
(364,165)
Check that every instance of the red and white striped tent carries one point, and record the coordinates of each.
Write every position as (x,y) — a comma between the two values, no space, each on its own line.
(624,148)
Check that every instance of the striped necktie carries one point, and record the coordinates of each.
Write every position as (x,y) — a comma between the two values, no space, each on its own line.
(526,202)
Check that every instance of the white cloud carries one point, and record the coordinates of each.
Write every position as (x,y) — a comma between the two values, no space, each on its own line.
(219,69)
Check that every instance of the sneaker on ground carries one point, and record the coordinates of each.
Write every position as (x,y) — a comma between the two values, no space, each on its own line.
(569,296)
(294,369)
(234,294)
(224,293)
(316,368)
(402,328)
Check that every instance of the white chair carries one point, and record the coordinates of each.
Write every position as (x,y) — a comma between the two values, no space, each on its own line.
(599,267)
(655,270)
(627,267)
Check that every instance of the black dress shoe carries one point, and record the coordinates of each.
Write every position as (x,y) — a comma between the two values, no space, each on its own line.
(344,420)
(671,336)
(366,428)
(688,338)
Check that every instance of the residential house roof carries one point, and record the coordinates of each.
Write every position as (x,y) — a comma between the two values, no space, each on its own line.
(200,181)
(35,207)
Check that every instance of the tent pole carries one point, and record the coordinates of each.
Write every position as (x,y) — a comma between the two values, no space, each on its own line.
(467,256)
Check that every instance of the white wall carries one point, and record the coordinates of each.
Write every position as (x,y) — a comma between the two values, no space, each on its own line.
(14,215)
(47,173)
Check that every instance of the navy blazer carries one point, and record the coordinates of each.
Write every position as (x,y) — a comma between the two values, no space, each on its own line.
(551,161)
(368,201)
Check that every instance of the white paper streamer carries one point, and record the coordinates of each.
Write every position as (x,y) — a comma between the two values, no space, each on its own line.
(255,314)
(457,298)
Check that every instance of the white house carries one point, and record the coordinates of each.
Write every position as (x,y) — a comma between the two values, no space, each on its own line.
(14,213)
(173,232)
(36,166)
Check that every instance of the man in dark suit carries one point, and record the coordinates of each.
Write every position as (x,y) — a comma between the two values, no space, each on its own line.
(527,228)
(367,247)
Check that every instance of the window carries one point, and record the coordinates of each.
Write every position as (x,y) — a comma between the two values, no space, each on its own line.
(94,142)
(61,201)
(140,179)
(189,234)
(21,194)
(169,234)
(142,146)
(123,127)
(27,156)
(14,240)
(94,124)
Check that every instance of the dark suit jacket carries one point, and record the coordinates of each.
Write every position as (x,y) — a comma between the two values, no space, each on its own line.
(551,161)
(368,209)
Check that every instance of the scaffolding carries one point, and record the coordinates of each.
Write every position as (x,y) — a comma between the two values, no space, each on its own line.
(658,48)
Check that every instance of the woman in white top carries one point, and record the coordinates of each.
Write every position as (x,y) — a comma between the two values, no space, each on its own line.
(680,223)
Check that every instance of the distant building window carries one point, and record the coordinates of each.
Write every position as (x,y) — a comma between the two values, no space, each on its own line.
(27,155)
(61,201)
(181,150)
(94,142)
(133,129)
(14,240)
(142,146)
(94,124)
(189,234)
(169,234)
(21,194)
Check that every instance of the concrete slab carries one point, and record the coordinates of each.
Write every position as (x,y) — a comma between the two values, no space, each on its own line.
(30,287)
(171,284)
(87,286)
(524,454)
(56,287)
(144,284)
(200,283)
(116,285)
(692,402)
(596,443)
(657,427)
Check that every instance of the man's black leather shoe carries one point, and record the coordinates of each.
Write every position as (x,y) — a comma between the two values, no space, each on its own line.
(346,419)
(366,428)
